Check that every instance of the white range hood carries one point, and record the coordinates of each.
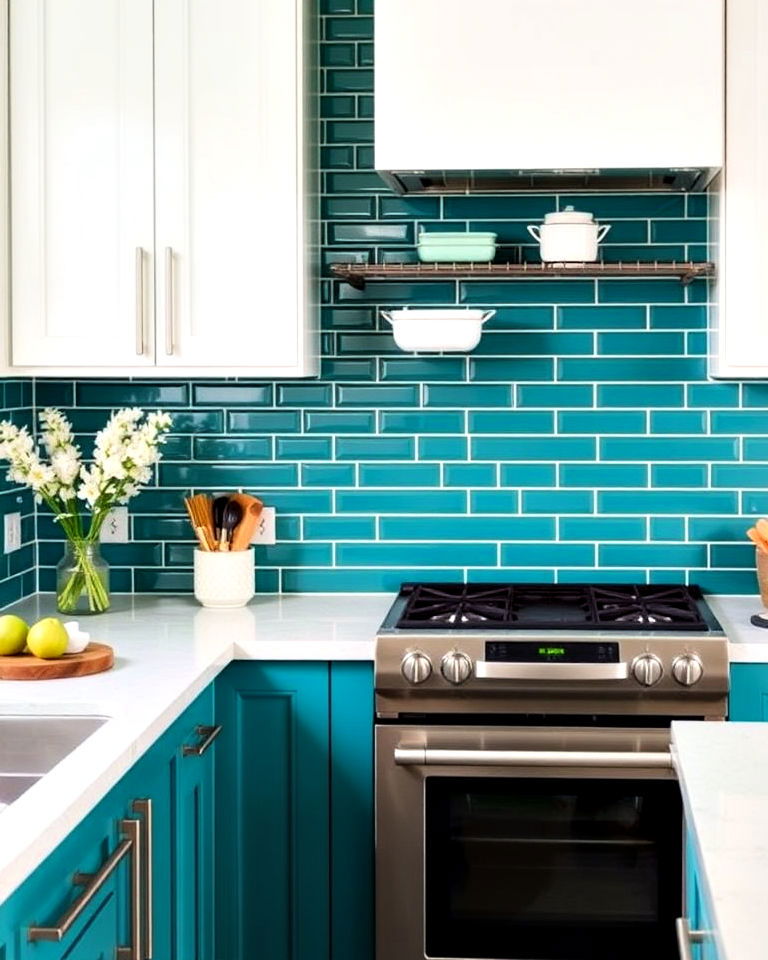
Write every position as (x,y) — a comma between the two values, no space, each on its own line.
(489,95)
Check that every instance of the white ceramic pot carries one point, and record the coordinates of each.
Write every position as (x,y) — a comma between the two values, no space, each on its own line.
(569,236)
(224,579)
(447,331)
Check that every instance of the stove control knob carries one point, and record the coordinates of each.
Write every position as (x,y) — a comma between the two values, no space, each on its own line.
(647,669)
(687,669)
(416,667)
(456,667)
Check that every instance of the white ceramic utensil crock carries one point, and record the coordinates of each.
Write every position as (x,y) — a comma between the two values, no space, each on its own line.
(568,236)
(447,331)
(224,579)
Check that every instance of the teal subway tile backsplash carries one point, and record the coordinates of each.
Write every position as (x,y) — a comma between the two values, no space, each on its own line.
(580,440)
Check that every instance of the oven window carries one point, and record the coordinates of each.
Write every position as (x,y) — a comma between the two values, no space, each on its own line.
(552,869)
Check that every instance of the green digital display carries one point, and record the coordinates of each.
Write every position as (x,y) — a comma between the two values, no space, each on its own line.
(536,651)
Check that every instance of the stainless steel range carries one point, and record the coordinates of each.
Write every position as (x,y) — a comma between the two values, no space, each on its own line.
(527,807)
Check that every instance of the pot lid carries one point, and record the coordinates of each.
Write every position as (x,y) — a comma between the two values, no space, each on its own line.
(569,215)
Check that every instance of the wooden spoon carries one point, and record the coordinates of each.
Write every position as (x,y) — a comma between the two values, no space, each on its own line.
(252,507)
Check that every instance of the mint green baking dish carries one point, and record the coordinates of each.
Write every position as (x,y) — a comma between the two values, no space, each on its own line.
(456,247)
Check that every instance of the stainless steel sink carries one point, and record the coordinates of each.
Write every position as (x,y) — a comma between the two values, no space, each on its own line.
(11,788)
(31,745)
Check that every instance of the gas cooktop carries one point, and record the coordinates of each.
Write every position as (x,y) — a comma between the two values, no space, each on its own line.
(547,606)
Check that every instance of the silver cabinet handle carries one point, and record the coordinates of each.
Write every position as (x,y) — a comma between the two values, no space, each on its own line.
(207,736)
(144,807)
(687,937)
(169,301)
(130,831)
(140,297)
(426,757)
(492,670)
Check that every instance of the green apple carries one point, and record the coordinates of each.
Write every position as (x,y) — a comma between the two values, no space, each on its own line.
(47,638)
(13,634)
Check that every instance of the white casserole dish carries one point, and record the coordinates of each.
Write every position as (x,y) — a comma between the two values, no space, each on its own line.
(569,236)
(441,329)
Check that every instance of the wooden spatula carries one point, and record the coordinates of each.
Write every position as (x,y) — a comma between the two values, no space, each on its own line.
(252,508)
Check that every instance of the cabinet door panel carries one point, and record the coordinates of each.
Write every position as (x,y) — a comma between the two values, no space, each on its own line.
(81,166)
(352,829)
(272,810)
(748,699)
(193,837)
(228,189)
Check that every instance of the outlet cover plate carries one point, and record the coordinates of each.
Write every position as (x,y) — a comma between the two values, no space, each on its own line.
(265,531)
(115,529)
(11,532)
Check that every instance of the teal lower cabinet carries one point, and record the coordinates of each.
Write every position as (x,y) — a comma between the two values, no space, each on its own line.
(700,933)
(748,698)
(294,812)
(164,804)
(252,816)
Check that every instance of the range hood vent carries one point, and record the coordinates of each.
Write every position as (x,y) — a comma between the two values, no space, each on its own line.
(410,182)
(509,96)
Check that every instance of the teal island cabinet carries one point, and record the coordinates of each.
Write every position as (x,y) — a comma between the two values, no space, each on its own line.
(699,929)
(245,830)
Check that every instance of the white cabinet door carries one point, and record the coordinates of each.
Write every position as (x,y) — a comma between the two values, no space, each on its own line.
(230,229)
(739,344)
(81,173)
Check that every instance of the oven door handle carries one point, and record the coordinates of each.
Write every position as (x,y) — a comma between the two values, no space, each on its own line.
(427,757)
(492,670)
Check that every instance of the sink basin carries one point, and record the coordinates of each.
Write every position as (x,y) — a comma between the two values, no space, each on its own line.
(11,788)
(31,745)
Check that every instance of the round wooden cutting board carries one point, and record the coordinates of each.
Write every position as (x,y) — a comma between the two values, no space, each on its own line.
(23,666)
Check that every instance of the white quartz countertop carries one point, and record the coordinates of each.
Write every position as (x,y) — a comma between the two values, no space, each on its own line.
(723,771)
(167,650)
(746,643)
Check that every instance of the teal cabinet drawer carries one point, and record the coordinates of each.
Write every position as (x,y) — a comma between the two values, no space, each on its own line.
(748,699)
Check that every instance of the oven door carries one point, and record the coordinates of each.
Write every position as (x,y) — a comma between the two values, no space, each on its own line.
(527,844)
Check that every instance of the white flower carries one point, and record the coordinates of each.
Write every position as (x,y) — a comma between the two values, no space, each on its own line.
(66,466)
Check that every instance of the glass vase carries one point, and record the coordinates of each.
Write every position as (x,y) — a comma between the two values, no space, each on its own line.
(82,579)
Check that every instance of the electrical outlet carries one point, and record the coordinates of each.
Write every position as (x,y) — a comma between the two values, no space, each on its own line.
(115,529)
(12,532)
(265,531)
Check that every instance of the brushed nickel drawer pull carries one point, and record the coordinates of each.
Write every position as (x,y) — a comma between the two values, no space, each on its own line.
(207,735)
(686,937)
(144,807)
(140,302)
(130,844)
(169,302)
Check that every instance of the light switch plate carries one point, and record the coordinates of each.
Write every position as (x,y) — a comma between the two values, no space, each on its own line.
(115,529)
(12,532)
(265,531)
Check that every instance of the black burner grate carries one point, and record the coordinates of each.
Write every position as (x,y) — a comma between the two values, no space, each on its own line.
(547,606)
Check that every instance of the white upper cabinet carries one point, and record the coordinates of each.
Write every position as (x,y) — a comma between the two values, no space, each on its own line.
(548,84)
(81,175)
(161,212)
(739,328)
